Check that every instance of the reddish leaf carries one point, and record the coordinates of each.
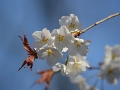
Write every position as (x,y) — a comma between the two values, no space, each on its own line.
(46,76)
(32,54)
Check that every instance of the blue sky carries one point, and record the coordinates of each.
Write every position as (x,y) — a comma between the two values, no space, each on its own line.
(31,15)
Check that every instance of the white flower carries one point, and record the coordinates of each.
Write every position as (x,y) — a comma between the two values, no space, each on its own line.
(80,81)
(111,72)
(79,46)
(62,38)
(112,54)
(71,22)
(75,65)
(51,54)
(42,38)
(110,69)
(88,87)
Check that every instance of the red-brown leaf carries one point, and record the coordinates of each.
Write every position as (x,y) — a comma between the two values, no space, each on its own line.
(46,76)
(32,53)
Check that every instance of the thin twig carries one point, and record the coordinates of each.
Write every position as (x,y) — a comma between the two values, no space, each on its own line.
(102,84)
(96,82)
(93,68)
(96,23)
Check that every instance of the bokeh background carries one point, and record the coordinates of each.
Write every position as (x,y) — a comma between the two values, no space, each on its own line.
(31,15)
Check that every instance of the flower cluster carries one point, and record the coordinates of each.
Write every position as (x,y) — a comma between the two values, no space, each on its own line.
(110,68)
(50,46)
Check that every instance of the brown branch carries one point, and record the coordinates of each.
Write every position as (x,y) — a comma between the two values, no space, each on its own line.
(96,23)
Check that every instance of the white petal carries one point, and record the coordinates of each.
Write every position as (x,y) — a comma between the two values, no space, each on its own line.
(38,44)
(37,35)
(63,70)
(46,32)
(57,54)
(83,50)
(77,79)
(51,60)
(78,26)
(55,32)
(63,31)
(73,18)
(72,50)
(87,42)
(60,45)
(41,55)
(79,57)
(64,20)
(69,38)
(57,67)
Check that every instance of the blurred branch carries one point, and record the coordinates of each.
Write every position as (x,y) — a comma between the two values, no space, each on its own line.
(93,68)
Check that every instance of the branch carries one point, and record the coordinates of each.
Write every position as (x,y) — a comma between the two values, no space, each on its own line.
(93,68)
(96,23)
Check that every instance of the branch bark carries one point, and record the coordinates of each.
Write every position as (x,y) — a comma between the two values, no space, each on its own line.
(96,23)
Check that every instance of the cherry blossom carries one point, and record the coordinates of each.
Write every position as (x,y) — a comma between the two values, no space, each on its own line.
(62,38)
(51,54)
(42,38)
(71,22)
(75,65)
(112,54)
(78,46)
(110,72)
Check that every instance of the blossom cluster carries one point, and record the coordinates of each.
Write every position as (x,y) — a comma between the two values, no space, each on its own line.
(50,46)
(110,68)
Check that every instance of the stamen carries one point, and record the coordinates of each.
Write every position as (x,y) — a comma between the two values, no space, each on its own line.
(76,66)
(75,60)
(50,52)
(78,43)
(110,71)
(71,25)
(114,56)
(44,40)
(60,38)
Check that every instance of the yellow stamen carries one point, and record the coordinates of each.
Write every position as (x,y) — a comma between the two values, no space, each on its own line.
(44,40)
(114,56)
(110,71)
(78,43)
(72,25)
(75,59)
(49,51)
(76,65)
(60,38)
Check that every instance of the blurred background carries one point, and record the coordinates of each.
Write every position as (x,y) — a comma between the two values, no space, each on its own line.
(32,15)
